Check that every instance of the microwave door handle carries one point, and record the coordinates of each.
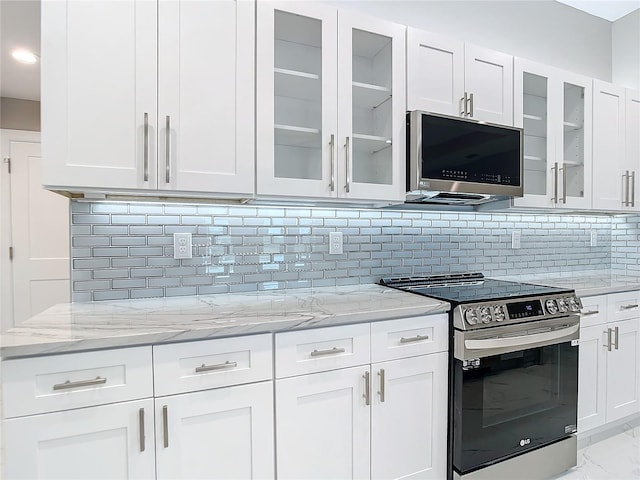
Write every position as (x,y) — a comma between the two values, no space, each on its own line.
(520,340)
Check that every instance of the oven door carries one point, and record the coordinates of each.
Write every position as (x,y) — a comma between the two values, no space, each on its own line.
(509,402)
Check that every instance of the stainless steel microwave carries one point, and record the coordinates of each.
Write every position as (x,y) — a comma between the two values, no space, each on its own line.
(451,154)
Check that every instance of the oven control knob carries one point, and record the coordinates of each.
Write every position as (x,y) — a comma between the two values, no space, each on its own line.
(551,306)
(574,306)
(485,314)
(498,313)
(471,316)
(562,305)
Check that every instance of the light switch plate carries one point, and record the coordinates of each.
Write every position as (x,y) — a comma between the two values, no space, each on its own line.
(515,239)
(594,238)
(182,245)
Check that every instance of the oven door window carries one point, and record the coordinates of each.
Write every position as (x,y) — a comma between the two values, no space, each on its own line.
(514,402)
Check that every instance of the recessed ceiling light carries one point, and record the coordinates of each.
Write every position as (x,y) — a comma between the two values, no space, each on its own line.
(24,56)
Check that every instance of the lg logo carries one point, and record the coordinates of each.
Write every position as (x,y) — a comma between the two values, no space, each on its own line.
(525,441)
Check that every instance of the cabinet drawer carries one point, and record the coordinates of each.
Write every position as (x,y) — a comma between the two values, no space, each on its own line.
(623,305)
(191,366)
(322,349)
(61,382)
(594,310)
(408,337)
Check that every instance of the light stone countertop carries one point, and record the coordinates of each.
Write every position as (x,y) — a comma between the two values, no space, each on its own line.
(108,324)
(585,283)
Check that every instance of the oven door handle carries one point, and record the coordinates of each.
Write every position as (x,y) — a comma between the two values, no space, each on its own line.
(520,340)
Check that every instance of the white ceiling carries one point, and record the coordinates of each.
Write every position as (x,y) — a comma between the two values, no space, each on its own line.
(20,27)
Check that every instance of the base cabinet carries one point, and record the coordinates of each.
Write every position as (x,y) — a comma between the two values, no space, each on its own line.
(104,442)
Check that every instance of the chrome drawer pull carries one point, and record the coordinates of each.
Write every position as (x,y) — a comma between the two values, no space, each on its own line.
(81,383)
(331,351)
(381,392)
(590,312)
(141,425)
(417,338)
(608,345)
(628,307)
(165,426)
(617,337)
(367,388)
(219,366)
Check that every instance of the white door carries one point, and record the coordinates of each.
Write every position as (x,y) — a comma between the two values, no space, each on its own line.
(623,370)
(323,425)
(371,109)
(99,79)
(39,237)
(296,90)
(592,378)
(216,434)
(488,75)
(408,418)
(435,73)
(106,442)
(206,96)
(609,186)
(632,144)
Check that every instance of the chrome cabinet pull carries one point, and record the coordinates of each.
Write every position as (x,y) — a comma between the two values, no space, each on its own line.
(463,105)
(367,388)
(608,345)
(141,425)
(167,146)
(633,189)
(625,186)
(82,383)
(555,182)
(146,147)
(564,184)
(219,366)
(165,425)
(332,185)
(348,154)
(470,114)
(629,307)
(590,312)
(331,351)
(382,380)
(616,336)
(417,338)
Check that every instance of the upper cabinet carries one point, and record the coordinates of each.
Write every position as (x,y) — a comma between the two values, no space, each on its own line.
(164,104)
(616,146)
(554,108)
(453,78)
(330,104)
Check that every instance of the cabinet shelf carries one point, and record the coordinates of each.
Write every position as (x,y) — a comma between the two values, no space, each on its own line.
(370,143)
(368,95)
(533,158)
(532,117)
(297,136)
(570,126)
(295,84)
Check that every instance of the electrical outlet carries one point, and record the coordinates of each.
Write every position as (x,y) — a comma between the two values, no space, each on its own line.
(594,238)
(515,239)
(335,243)
(182,245)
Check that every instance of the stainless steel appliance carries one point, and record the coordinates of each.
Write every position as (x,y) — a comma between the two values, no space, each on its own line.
(513,376)
(460,161)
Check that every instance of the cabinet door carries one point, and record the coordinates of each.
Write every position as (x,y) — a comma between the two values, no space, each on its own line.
(296,92)
(488,75)
(99,94)
(205,96)
(632,144)
(610,185)
(106,442)
(623,370)
(371,109)
(323,425)
(435,73)
(534,107)
(216,434)
(592,378)
(408,418)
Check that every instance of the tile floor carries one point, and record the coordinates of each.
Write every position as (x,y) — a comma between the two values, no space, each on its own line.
(615,458)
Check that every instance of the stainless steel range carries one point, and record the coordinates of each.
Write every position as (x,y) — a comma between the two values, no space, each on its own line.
(513,375)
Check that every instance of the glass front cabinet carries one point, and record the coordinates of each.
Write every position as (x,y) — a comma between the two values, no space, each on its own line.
(330,104)
(554,108)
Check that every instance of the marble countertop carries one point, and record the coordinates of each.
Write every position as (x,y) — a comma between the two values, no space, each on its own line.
(87,326)
(585,283)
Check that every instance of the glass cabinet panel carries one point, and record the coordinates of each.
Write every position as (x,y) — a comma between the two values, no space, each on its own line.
(536,138)
(371,108)
(573,141)
(298,96)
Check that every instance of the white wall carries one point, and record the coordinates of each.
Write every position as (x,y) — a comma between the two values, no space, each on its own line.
(625,57)
(545,31)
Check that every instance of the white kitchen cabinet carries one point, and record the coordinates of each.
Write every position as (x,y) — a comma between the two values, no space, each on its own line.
(104,442)
(632,147)
(447,76)
(216,434)
(554,108)
(623,369)
(330,104)
(162,105)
